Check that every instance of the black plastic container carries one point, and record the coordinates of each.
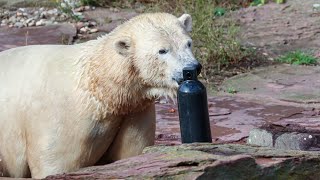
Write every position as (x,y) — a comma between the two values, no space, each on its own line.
(193,109)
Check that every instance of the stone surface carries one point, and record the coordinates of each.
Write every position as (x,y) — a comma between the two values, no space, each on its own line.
(207,161)
(260,137)
(291,26)
(295,141)
(232,118)
(54,34)
(290,83)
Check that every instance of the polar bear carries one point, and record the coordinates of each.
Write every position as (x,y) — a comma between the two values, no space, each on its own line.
(63,107)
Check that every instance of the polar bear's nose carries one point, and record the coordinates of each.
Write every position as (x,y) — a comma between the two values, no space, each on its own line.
(199,67)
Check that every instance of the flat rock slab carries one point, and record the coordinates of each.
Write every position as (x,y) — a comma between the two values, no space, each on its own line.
(53,34)
(291,83)
(207,161)
(277,28)
(232,118)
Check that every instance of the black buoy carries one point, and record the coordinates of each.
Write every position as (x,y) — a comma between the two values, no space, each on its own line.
(193,108)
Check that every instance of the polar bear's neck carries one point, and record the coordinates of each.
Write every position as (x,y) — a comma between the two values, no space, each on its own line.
(112,81)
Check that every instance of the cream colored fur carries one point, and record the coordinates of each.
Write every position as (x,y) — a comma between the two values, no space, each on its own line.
(64,107)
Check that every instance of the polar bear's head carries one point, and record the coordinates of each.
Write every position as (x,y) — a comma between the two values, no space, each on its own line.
(160,47)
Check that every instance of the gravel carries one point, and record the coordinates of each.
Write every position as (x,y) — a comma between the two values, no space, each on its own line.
(29,17)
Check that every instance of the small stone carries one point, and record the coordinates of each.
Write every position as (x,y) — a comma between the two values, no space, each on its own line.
(25,14)
(114,9)
(87,8)
(36,17)
(18,19)
(92,23)
(19,25)
(19,13)
(79,25)
(44,14)
(4,21)
(32,23)
(22,20)
(63,5)
(52,12)
(163,101)
(83,29)
(86,24)
(52,18)
(41,22)
(63,15)
(13,19)
(11,25)
(79,9)
(294,141)
(260,137)
(93,30)
(48,22)
(29,20)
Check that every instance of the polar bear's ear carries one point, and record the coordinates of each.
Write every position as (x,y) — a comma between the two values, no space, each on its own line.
(122,45)
(186,21)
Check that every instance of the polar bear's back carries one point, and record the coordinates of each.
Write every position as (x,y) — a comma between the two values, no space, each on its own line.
(35,76)
(24,69)
(33,79)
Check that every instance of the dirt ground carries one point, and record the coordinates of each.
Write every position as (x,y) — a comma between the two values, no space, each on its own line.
(279,28)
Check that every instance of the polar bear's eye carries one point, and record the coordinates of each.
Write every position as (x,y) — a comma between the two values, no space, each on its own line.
(163,51)
(189,44)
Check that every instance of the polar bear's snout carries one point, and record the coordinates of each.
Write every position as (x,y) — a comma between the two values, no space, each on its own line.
(178,76)
(198,66)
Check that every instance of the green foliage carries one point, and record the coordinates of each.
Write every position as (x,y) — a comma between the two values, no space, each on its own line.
(298,58)
(67,9)
(231,90)
(280,1)
(219,11)
(262,2)
(89,2)
(108,3)
(257,2)
(216,42)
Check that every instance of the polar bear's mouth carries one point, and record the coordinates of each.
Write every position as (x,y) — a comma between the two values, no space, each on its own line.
(178,78)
